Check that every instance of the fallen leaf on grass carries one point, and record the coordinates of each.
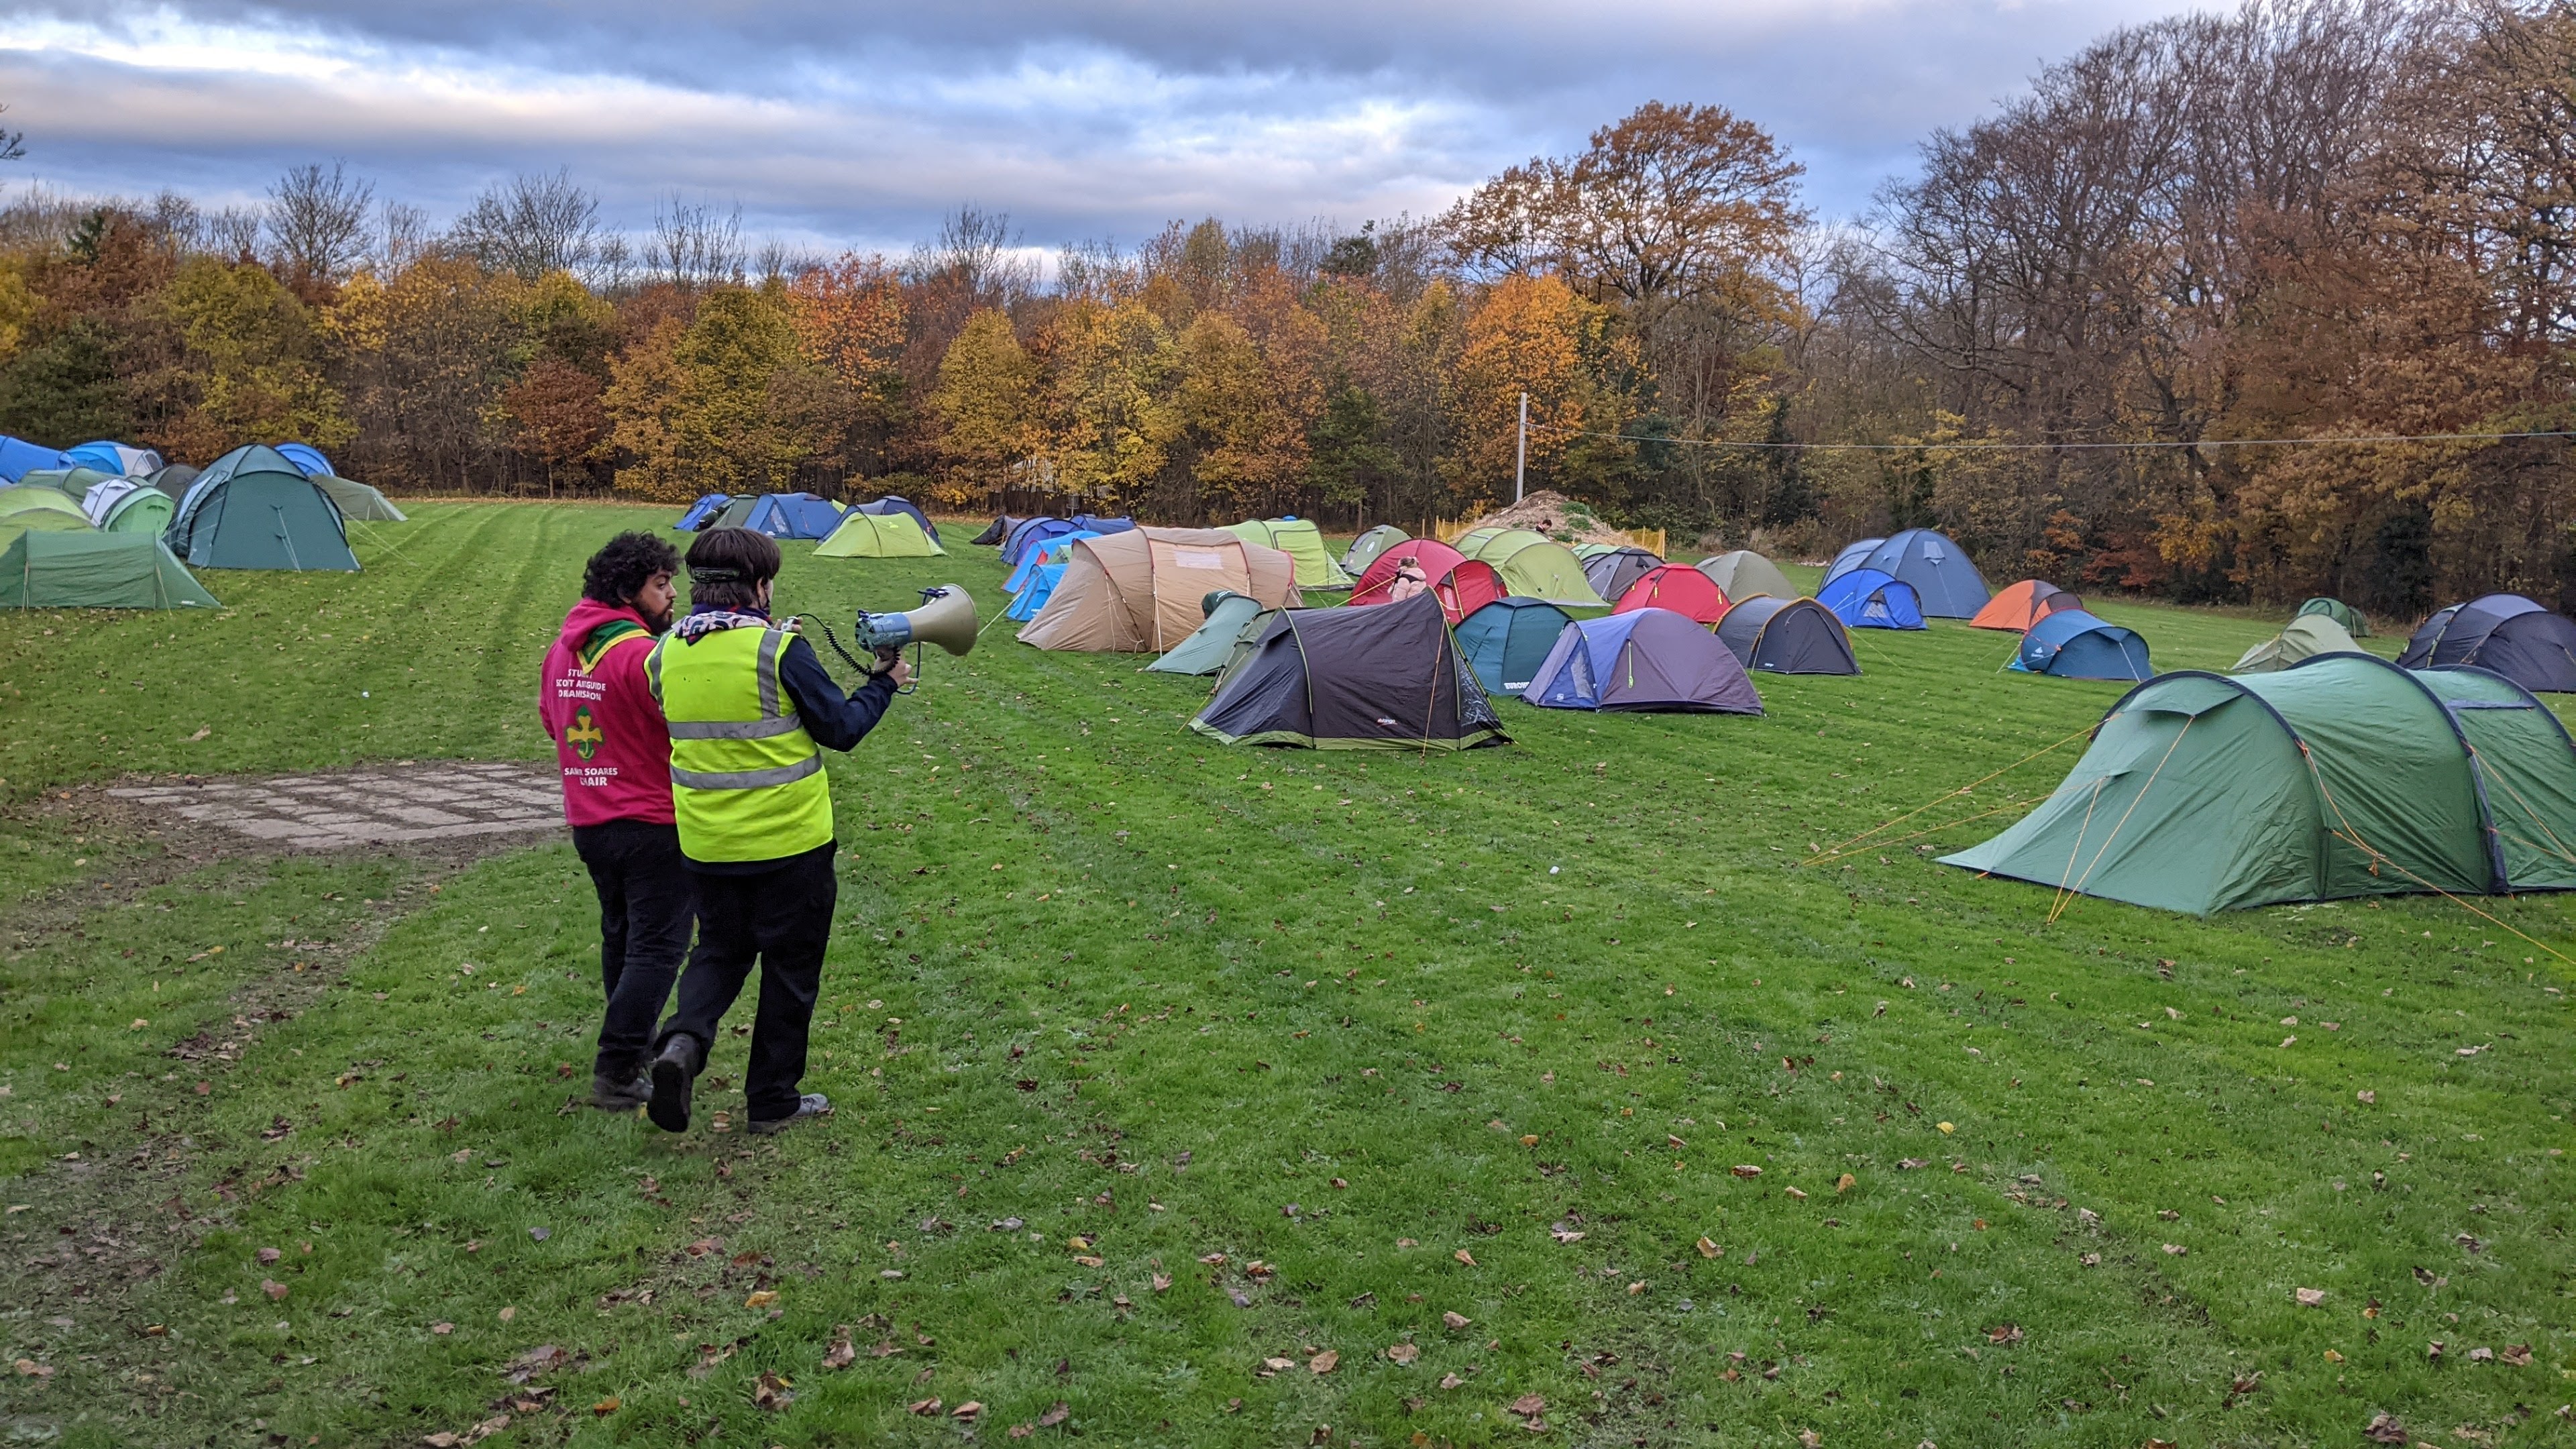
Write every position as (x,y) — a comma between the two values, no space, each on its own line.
(1745,1169)
(2178,1250)
(2518,1355)
(923,1407)
(2004,1333)
(1324,1363)
(442,1329)
(1054,1416)
(274,1289)
(269,1255)
(2384,1429)
(605,1407)
(760,1299)
(1707,1248)
(1404,1353)
(2311,1297)
(2481,1355)
(1846,1183)
(1564,1234)
(1529,1404)
(1455,1321)
(1450,1381)
(28,1368)
(966,1410)
(1162,1282)
(1463,1256)
(842,1353)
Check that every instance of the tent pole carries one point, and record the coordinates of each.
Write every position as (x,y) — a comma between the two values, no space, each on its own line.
(1520,456)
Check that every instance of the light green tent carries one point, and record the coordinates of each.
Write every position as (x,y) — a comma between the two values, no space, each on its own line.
(358,501)
(1365,548)
(2354,622)
(37,506)
(1229,623)
(1533,566)
(1302,541)
(1742,574)
(1475,538)
(2342,776)
(73,483)
(142,509)
(878,535)
(2306,637)
(1587,552)
(96,571)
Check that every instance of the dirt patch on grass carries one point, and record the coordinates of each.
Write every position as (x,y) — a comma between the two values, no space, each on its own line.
(1559,517)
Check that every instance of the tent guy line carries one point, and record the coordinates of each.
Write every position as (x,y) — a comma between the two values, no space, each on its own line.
(2147,445)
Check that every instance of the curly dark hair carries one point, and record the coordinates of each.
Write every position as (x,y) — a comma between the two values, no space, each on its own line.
(619,571)
(727,566)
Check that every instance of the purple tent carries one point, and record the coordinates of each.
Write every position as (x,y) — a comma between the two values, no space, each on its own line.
(1653,659)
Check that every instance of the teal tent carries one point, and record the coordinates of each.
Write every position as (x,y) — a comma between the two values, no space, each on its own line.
(1230,619)
(96,571)
(1507,640)
(253,509)
(2342,775)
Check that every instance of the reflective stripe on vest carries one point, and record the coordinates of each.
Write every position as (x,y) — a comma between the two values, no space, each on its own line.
(747,781)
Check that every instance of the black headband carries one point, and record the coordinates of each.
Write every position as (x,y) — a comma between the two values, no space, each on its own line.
(713,574)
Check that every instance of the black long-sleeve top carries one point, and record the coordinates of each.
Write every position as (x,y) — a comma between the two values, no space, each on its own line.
(836,721)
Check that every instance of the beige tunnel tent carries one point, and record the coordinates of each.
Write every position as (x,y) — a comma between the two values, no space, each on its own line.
(1142,590)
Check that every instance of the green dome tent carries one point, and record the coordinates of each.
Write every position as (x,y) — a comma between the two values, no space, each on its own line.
(1742,574)
(1301,540)
(2306,637)
(74,483)
(1533,566)
(1232,621)
(878,535)
(2354,622)
(357,500)
(2342,776)
(1365,548)
(253,509)
(96,571)
(27,506)
(129,505)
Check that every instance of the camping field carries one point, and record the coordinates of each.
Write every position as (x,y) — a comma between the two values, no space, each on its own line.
(1193,1096)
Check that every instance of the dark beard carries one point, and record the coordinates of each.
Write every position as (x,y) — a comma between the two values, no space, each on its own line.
(657,624)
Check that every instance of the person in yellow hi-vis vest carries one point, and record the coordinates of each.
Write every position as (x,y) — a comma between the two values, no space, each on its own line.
(750,712)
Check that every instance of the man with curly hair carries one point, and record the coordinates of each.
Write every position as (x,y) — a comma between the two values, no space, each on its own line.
(615,754)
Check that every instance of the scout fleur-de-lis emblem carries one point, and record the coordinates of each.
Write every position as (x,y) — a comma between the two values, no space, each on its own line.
(585,736)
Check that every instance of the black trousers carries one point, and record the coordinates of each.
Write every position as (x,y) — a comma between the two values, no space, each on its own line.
(648,899)
(783,917)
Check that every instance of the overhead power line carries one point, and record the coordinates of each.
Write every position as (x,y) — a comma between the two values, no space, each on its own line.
(2056,447)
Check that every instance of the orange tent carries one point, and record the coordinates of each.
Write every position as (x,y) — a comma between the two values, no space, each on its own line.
(2022,605)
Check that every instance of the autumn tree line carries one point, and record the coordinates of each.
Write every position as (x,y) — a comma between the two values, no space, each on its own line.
(2225,307)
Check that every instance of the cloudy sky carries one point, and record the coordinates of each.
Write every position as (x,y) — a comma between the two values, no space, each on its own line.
(830,121)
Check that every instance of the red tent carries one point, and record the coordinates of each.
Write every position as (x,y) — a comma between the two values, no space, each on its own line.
(1468,586)
(1678,587)
(1432,556)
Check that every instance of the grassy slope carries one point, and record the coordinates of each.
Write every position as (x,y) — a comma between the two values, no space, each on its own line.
(1077,944)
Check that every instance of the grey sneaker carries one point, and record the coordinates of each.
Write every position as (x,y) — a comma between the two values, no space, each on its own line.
(610,1095)
(812,1104)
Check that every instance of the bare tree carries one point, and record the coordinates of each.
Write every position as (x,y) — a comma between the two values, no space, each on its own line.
(317,221)
(782,261)
(977,254)
(693,245)
(402,236)
(13,144)
(233,232)
(612,267)
(531,225)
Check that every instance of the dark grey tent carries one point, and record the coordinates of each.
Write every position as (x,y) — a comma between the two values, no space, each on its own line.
(174,480)
(999,530)
(2505,633)
(1787,636)
(1384,678)
(1612,572)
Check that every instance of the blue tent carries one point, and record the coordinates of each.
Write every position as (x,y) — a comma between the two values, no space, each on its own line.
(1647,659)
(19,457)
(793,515)
(1034,531)
(1943,577)
(2072,644)
(1043,578)
(1103,525)
(1869,599)
(703,512)
(308,458)
(1507,640)
(1054,550)
(116,459)
(1851,557)
(894,504)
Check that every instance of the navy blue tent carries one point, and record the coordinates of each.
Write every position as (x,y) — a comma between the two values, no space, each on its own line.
(894,504)
(703,512)
(1507,640)
(2504,634)
(1869,599)
(793,515)
(18,458)
(2072,644)
(1943,577)
(1035,531)
(1103,525)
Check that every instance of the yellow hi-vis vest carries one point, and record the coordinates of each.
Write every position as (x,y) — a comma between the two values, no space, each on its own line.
(746,780)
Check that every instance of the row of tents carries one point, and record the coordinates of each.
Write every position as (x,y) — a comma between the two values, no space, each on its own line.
(888,527)
(78,536)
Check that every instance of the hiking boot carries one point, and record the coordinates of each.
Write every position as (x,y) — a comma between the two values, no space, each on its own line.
(812,1104)
(675,1076)
(609,1094)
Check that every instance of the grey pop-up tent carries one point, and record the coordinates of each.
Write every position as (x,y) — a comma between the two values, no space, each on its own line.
(1388,678)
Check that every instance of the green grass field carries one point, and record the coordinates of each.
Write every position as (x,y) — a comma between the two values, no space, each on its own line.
(1195,1096)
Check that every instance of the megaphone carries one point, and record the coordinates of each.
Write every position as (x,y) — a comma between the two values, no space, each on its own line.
(946,618)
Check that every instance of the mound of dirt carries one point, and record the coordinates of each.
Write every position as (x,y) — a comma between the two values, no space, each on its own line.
(1559,517)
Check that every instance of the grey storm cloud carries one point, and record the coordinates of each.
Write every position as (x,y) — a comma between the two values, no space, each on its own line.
(1081,118)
